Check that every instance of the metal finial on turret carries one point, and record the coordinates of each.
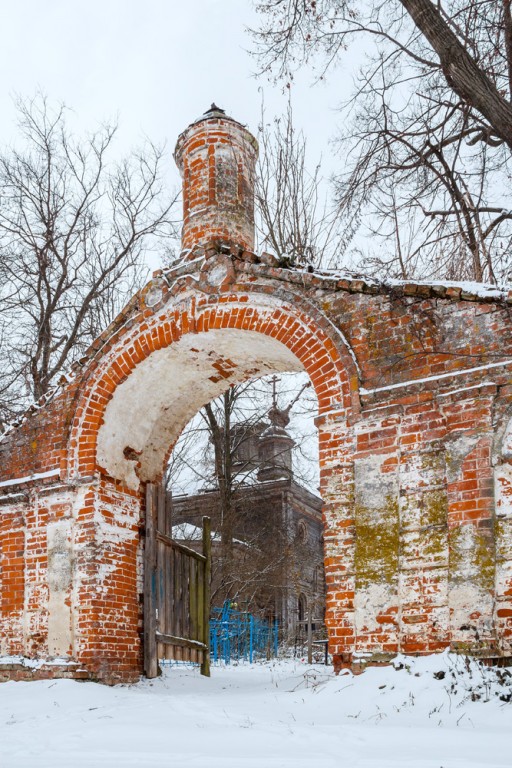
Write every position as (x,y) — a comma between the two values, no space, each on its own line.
(215,108)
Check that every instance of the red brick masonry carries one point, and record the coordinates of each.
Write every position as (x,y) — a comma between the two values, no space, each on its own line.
(415,406)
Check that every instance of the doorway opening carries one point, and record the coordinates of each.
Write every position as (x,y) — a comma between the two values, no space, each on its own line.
(245,466)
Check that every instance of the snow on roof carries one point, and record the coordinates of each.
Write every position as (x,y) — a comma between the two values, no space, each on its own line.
(190,532)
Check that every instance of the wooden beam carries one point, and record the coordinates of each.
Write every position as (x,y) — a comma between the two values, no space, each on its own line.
(150,586)
(182,642)
(207,552)
(180,547)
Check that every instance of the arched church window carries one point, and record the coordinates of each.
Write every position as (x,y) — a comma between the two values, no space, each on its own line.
(302,607)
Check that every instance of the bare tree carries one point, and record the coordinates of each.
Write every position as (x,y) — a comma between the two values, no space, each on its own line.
(256,553)
(192,465)
(427,134)
(73,229)
(417,172)
(296,220)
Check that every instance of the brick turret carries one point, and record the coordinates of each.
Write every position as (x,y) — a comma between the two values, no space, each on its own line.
(216,156)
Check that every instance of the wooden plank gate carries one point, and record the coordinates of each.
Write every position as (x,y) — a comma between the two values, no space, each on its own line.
(176,590)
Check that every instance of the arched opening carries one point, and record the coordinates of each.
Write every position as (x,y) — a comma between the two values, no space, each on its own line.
(249,460)
(302,607)
(136,404)
(152,406)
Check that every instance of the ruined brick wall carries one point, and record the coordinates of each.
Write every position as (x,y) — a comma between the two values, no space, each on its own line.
(415,407)
(415,472)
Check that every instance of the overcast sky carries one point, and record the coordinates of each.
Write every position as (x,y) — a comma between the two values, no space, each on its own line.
(156,65)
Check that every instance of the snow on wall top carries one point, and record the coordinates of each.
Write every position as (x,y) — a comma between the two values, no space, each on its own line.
(267,265)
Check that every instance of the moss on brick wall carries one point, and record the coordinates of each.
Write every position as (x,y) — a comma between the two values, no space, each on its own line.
(472,556)
(377,543)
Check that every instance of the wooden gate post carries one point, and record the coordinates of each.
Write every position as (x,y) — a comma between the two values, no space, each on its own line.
(150,586)
(207,552)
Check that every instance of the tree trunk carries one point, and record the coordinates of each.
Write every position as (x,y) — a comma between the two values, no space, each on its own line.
(460,69)
(223,471)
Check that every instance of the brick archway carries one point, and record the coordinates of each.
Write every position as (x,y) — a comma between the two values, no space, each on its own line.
(310,342)
(414,384)
(228,327)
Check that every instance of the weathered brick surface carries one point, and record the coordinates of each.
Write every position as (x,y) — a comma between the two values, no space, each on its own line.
(216,157)
(415,409)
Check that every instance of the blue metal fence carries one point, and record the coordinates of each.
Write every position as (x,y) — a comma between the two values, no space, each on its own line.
(238,635)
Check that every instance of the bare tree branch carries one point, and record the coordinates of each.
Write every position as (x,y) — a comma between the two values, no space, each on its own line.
(428,128)
(258,554)
(73,229)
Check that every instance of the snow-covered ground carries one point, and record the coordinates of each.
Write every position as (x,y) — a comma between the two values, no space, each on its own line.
(282,714)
